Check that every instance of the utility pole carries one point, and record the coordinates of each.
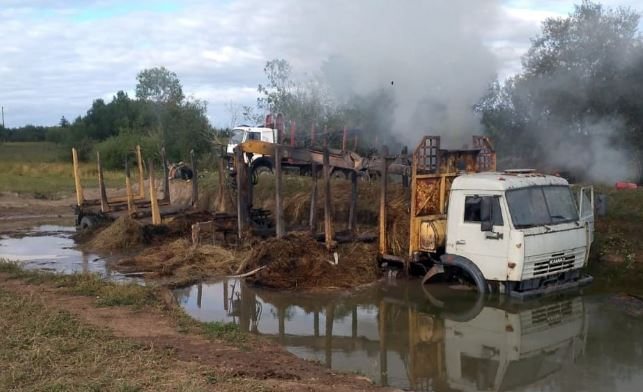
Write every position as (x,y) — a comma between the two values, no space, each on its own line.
(2,116)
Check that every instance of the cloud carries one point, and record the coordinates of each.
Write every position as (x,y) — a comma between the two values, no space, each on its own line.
(57,56)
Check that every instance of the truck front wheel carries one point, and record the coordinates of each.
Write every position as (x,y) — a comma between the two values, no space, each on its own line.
(465,269)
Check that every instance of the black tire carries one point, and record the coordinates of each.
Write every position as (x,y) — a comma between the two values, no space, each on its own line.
(469,269)
(87,223)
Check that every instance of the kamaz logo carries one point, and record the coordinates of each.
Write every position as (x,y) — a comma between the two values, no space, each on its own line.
(558,260)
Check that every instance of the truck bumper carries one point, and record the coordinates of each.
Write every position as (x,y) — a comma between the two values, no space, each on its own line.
(582,281)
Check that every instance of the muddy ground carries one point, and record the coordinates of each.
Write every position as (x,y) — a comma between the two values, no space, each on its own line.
(257,363)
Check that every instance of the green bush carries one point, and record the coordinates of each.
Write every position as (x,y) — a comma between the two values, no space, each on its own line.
(116,149)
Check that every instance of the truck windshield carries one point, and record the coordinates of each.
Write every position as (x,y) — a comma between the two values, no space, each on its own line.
(237,136)
(541,205)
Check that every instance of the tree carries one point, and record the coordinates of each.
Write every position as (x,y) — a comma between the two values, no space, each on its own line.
(63,122)
(575,105)
(159,85)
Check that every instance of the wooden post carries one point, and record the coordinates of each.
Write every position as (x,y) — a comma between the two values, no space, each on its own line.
(141,178)
(104,204)
(313,200)
(154,202)
(195,186)
(328,216)
(166,178)
(79,188)
(128,187)
(312,135)
(279,203)
(383,201)
(405,177)
(345,139)
(242,195)
(352,211)
(196,234)
(355,144)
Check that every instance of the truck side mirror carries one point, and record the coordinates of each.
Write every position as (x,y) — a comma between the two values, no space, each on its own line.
(486,222)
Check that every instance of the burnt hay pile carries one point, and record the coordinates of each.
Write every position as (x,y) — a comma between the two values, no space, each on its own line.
(123,234)
(179,263)
(297,261)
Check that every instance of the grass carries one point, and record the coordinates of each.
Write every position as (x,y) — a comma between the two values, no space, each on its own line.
(617,237)
(106,293)
(45,170)
(125,294)
(228,332)
(43,349)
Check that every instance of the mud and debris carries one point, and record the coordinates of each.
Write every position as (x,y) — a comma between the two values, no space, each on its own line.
(123,234)
(298,261)
(180,263)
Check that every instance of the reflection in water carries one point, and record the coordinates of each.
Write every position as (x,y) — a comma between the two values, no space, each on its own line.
(402,336)
(52,248)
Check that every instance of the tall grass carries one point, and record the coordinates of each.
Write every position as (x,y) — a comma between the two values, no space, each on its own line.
(45,169)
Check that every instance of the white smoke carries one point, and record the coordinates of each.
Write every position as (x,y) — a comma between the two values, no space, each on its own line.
(430,54)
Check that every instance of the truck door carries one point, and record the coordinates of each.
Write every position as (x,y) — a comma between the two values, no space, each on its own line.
(486,249)
(586,214)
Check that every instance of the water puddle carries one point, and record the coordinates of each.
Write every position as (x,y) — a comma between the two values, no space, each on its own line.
(52,248)
(400,335)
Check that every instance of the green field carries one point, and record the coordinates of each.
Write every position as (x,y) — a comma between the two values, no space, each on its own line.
(44,170)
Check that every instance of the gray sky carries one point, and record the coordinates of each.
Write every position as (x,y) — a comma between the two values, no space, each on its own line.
(57,56)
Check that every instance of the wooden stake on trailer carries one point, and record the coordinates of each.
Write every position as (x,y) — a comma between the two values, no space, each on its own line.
(104,204)
(141,179)
(328,216)
(80,198)
(313,200)
(355,144)
(279,203)
(195,185)
(352,211)
(154,203)
(131,208)
(242,194)
(222,194)
(166,179)
(383,201)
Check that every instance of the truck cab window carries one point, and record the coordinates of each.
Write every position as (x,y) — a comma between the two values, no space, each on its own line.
(472,210)
(254,136)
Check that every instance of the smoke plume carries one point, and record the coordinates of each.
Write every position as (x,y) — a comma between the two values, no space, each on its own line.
(429,55)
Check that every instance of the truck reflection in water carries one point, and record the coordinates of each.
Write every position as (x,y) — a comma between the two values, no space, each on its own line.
(404,336)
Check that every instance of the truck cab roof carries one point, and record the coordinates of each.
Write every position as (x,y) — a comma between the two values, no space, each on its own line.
(502,181)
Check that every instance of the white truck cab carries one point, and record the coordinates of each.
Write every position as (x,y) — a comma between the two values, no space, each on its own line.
(244,133)
(523,230)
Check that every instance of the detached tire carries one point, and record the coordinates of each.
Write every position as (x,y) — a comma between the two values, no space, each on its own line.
(87,223)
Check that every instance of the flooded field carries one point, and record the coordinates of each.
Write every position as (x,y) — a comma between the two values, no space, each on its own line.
(401,335)
(52,248)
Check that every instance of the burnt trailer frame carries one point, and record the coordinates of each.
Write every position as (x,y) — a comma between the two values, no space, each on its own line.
(89,212)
